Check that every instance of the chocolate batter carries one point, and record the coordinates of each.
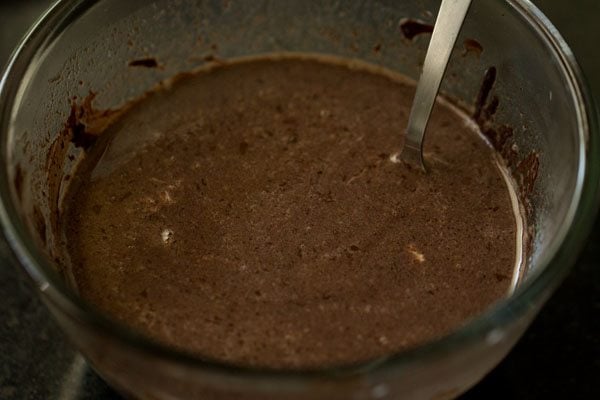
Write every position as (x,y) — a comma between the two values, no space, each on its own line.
(250,213)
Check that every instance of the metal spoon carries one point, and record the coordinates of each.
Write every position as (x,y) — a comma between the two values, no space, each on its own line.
(447,26)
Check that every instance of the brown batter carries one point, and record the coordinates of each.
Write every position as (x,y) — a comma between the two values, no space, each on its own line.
(251,214)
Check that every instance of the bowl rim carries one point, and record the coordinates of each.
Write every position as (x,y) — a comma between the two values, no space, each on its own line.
(580,215)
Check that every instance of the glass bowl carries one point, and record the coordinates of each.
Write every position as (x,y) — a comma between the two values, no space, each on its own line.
(79,47)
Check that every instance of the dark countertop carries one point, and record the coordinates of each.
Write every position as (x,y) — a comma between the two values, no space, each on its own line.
(559,355)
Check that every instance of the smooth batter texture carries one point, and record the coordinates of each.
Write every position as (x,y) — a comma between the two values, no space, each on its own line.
(251,214)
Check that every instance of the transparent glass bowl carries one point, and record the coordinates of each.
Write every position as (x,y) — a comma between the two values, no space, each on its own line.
(83,46)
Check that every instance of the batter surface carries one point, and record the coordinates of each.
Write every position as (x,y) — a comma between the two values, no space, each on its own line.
(250,213)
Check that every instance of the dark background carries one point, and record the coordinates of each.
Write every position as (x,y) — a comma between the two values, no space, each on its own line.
(558,356)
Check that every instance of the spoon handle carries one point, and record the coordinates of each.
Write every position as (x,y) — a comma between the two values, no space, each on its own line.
(447,26)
